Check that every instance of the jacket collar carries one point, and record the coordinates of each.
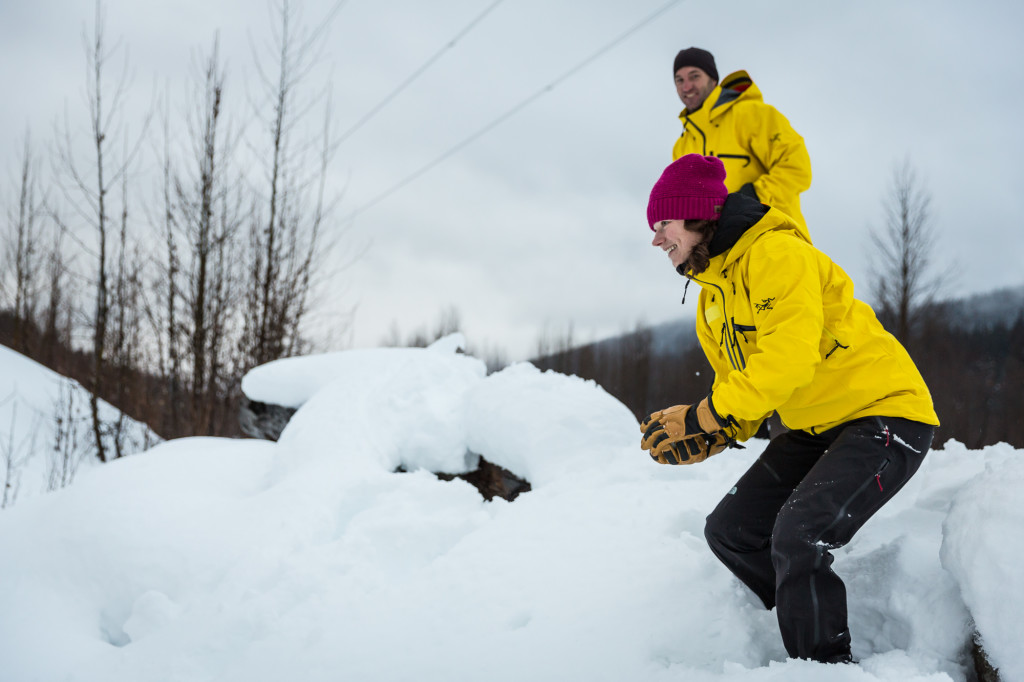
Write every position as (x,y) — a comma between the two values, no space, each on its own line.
(739,213)
(742,222)
(737,86)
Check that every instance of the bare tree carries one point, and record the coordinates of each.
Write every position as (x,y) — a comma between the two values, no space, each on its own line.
(448,322)
(58,309)
(287,231)
(88,192)
(196,292)
(551,342)
(126,327)
(22,254)
(903,282)
(161,304)
(14,453)
(212,210)
(634,364)
(71,439)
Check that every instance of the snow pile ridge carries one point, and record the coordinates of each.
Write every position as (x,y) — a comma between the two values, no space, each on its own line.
(982,537)
(388,408)
(545,425)
(292,381)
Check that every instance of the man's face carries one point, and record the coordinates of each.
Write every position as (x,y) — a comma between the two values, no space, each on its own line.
(672,237)
(693,86)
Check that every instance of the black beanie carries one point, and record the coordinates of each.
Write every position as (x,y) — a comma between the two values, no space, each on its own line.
(694,56)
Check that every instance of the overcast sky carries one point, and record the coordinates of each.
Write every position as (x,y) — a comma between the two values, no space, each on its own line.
(540,222)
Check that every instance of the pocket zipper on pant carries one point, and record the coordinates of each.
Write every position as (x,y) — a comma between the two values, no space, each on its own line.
(878,474)
(841,514)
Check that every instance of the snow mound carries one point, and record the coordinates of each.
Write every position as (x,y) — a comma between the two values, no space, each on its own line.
(982,539)
(335,553)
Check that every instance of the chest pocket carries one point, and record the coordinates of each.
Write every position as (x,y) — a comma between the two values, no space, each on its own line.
(746,334)
(737,340)
(745,337)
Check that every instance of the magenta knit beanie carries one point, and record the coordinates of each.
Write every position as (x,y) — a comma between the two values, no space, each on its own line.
(691,188)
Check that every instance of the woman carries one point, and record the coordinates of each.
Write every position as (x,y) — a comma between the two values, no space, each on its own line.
(780,326)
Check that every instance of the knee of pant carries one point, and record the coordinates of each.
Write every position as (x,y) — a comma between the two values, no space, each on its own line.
(711,529)
(789,537)
(726,534)
(715,530)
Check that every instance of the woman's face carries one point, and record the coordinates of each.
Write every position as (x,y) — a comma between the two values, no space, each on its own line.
(672,237)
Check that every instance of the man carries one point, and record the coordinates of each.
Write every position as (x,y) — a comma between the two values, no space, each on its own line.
(763,155)
(782,331)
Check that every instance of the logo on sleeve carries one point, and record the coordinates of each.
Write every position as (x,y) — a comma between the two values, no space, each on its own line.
(765,304)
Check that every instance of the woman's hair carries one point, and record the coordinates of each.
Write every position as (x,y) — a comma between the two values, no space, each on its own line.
(700,256)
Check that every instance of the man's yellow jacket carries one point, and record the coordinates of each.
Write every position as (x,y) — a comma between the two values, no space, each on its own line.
(780,326)
(755,142)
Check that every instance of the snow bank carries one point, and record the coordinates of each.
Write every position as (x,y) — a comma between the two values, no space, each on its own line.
(982,549)
(32,400)
(314,558)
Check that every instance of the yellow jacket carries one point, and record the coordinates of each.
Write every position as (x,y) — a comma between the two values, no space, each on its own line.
(754,141)
(780,326)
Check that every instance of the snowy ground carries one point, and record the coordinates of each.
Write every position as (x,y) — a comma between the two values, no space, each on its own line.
(310,559)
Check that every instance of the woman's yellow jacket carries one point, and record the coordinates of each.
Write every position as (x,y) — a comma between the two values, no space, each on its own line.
(780,326)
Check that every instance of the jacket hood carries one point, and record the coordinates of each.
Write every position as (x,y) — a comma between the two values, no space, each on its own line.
(743,220)
(739,213)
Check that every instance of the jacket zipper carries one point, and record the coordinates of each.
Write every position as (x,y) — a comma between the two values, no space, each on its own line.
(703,137)
(878,475)
(730,341)
(743,329)
(739,351)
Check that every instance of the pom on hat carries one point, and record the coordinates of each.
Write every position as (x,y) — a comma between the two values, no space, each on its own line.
(694,56)
(691,188)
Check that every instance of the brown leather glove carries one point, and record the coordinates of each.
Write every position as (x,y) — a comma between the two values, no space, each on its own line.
(689,451)
(684,434)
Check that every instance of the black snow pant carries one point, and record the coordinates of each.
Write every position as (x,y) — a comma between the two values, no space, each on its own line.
(807,494)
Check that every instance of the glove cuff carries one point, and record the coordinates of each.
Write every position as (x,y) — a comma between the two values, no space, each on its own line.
(708,418)
(749,190)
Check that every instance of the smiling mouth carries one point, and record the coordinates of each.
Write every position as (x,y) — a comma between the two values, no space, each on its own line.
(671,249)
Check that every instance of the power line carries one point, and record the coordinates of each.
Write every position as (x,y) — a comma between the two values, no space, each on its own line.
(416,74)
(514,110)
